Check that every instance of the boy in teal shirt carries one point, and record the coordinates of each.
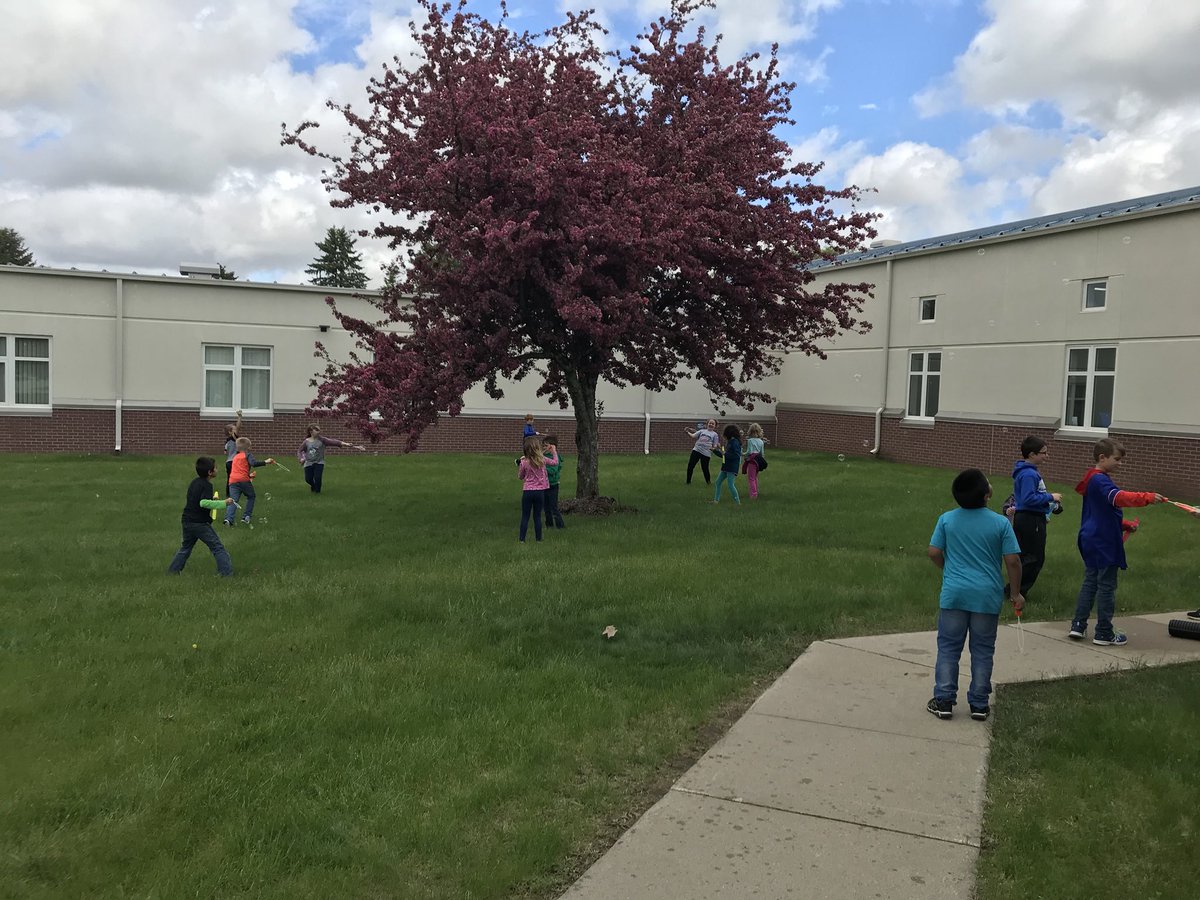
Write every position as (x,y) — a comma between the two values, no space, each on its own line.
(553,516)
(969,545)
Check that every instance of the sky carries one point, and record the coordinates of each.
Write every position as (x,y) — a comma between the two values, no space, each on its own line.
(139,134)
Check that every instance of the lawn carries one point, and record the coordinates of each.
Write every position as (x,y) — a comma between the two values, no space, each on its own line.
(392,697)
(1092,788)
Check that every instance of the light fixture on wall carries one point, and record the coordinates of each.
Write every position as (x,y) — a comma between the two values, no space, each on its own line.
(323,328)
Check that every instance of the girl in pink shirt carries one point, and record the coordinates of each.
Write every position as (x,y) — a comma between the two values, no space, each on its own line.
(532,470)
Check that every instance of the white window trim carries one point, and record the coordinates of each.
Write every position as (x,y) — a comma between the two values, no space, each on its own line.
(236,368)
(10,358)
(908,373)
(921,309)
(1083,307)
(1090,396)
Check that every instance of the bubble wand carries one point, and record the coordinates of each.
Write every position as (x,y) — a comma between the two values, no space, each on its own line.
(1191,509)
(1020,630)
(282,466)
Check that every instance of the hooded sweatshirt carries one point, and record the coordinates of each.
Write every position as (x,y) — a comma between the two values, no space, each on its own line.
(1099,540)
(1029,489)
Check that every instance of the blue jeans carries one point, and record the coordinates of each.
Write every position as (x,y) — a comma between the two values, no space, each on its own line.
(203,532)
(553,516)
(723,477)
(237,490)
(312,475)
(954,627)
(1099,587)
(531,503)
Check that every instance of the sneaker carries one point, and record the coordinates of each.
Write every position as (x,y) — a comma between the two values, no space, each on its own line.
(1194,614)
(1077,632)
(1118,639)
(943,709)
(245,520)
(980,713)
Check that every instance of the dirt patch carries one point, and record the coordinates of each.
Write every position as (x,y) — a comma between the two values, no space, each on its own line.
(594,506)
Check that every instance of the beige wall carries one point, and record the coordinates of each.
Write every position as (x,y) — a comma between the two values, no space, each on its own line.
(1007,311)
(167,321)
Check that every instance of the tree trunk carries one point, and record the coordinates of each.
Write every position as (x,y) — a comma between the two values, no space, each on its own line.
(582,389)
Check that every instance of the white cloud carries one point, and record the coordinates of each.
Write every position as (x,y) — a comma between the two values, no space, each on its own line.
(1092,101)
(137,133)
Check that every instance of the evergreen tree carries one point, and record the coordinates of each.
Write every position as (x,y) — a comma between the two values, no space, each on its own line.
(338,265)
(13,251)
(225,274)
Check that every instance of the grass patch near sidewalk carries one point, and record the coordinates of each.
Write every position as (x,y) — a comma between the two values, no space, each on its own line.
(1092,788)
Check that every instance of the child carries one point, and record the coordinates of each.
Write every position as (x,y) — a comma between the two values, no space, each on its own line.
(531,468)
(969,544)
(231,436)
(732,461)
(1032,510)
(553,471)
(312,455)
(1100,543)
(754,456)
(240,483)
(529,431)
(707,441)
(198,513)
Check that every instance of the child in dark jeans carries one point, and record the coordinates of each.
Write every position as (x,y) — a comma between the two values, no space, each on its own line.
(969,545)
(554,518)
(1101,542)
(240,479)
(198,513)
(1033,507)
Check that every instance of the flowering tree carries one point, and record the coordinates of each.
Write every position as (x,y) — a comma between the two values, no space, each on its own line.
(574,215)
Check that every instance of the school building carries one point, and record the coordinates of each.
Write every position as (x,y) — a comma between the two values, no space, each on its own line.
(1071,326)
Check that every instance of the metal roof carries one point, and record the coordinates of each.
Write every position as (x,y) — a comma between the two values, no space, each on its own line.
(1026,227)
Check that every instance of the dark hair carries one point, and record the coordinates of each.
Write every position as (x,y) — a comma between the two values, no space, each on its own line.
(1107,447)
(550,439)
(731,432)
(1032,445)
(971,489)
(205,466)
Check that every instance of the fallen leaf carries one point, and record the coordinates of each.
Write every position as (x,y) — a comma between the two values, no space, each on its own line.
(609,632)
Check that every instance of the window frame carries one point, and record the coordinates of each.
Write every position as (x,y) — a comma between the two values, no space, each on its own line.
(932,298)
(9,360)
(1089,374)
(925,373)
(1083,302)
(236,368)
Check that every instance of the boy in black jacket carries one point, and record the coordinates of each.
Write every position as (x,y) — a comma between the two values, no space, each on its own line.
(198,514)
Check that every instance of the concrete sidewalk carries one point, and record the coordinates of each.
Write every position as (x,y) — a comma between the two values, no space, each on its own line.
(837,783)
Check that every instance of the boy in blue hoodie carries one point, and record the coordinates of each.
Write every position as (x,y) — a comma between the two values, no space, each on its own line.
(1101,542)
(1033,507)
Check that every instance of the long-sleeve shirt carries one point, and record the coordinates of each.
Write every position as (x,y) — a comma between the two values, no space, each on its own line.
(243,467)
(1100,533)
(535,477)
(201,499)
(312,451)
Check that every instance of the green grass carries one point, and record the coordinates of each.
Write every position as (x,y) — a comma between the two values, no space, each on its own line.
(1092,789)
(393,698)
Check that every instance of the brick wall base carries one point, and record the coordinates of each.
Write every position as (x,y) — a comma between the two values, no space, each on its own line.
(145,431)
(1165,464)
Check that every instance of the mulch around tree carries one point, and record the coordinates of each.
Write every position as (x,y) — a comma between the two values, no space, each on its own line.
(594,506)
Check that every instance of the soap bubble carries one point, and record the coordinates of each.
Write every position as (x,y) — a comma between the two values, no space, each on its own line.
(841,457)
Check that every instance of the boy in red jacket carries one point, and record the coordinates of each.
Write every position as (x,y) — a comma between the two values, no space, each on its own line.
(1100,542)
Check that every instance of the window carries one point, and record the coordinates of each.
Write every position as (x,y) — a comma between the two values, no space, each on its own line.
(232,371)
(924,384)
(928,308)
(1095,294)
(24,370)
(1091,381)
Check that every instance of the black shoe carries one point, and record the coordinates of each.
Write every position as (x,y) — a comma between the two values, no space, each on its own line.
(1194,614)
(980,713)
(943,709)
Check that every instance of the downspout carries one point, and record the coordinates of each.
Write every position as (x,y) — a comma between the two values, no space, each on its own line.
(887,352)
(120,357)
(646,413)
